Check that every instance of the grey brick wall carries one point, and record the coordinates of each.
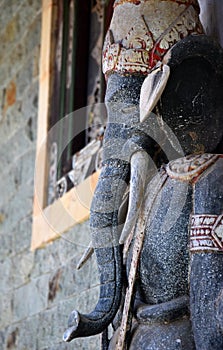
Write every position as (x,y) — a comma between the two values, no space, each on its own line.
(38,290)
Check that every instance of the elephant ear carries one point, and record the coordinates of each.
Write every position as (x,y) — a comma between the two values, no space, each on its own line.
(152,89)
(191,104)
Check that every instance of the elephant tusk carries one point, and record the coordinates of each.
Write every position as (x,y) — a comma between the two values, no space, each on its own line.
(152,89)
(139,174)
(87,254)
(123,208)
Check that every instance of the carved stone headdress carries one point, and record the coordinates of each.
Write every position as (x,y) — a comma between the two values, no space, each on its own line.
(142,31)
(138,2)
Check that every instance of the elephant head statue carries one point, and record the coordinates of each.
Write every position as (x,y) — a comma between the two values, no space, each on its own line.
(145,44)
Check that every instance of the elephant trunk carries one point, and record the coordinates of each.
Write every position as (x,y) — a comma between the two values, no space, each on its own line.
(105,235)
(120,143)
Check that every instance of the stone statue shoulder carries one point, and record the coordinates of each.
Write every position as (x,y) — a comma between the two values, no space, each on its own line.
(190,167)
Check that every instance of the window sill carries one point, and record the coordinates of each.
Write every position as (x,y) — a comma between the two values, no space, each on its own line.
(73,208)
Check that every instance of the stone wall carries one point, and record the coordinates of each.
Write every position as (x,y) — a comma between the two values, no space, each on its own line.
(38,290)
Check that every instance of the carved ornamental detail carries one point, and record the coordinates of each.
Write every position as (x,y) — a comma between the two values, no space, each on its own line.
(134,46)
(190,167)
(206,233)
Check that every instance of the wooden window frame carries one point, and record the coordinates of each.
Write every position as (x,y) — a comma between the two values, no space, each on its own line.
(50,222)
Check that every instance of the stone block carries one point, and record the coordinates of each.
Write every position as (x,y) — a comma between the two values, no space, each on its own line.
(58,253)
(74,242)
(22,335)
(2,339)
(10,9)
(11,32)
(27,49)
(28,11)
(31,130)
(28,333)
(60,346)
(15,147)
(31,39)
(2,96)
(53,323)
(7,188)
(46,260)
(67,281)
(30,299)
(5,73)
(30,101)
(24,78)
(6,305)
(20,115)
(18,207)
(21,236)
(16,175)
(27,165)
(9,95)
(21,268)
(90,343)
(5,273)
(12,120)
(19,22)
(11,338)
(6,244)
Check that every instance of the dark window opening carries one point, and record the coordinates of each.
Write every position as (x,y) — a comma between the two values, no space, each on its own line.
(76,109)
